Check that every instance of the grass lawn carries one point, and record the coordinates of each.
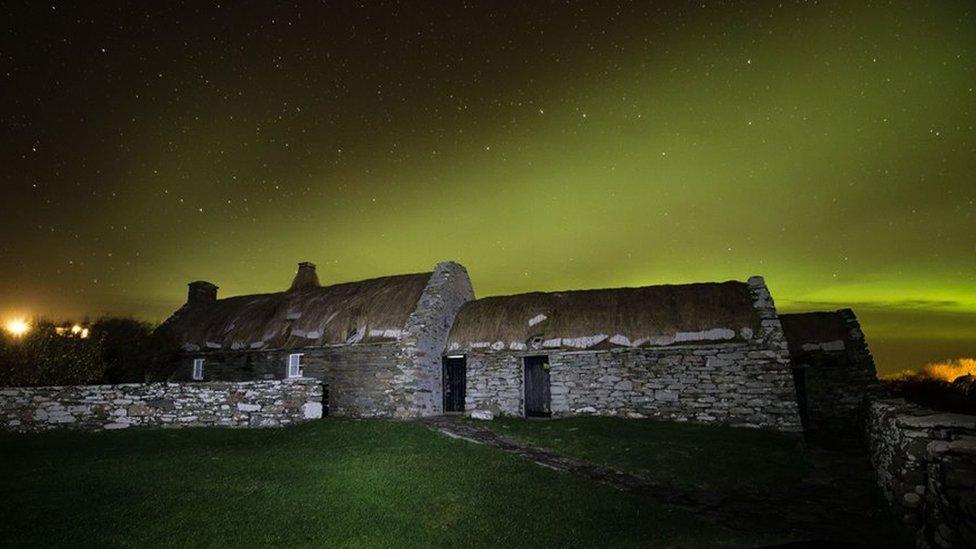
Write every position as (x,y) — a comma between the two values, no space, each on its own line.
(726,459)
(327,483)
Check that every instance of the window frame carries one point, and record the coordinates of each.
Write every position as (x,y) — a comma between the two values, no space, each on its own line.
(298,363)
(198,362)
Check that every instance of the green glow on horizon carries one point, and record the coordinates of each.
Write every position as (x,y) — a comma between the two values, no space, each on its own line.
(835,157)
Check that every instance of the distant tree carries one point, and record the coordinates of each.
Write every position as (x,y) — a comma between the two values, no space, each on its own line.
(132,351)
(164,356)
(124,348)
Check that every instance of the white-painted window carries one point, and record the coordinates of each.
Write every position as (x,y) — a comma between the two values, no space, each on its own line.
(295,365)
(198,369)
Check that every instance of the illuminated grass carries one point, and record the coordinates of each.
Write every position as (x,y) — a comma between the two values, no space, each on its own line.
(328,483)
(680,454)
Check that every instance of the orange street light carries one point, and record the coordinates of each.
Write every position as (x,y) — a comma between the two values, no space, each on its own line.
(18,327)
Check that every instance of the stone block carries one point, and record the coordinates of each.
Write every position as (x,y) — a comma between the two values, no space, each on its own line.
(911,500)
(165,404)
(242,407)
(312,410)
(955,421)
(138,410)
(964,445)
(666,395)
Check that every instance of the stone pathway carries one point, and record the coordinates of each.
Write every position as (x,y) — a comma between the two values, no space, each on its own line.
(836,503)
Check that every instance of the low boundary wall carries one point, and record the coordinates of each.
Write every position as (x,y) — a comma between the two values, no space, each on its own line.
(926,467)
(217,404)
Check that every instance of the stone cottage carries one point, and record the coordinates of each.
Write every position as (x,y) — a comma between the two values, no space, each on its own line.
(711,352)
(419,344)
(376,344)
(833,370)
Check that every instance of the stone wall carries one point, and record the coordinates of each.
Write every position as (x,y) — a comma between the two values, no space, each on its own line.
(494,383)
(359,377)
(838,379)
(727,383)
(926,468)
(744,383)
(217,404)
(234,366)
(418,388)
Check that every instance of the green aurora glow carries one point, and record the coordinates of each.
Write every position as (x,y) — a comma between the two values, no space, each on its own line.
(829,148)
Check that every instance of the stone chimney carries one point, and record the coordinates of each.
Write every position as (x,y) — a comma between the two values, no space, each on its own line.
(201,293)
(305,278)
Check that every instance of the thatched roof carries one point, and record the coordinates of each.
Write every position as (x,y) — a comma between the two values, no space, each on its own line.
(350,313)
(814,328)
(621,317)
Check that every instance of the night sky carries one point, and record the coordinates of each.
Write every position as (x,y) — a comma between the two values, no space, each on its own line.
(827,146)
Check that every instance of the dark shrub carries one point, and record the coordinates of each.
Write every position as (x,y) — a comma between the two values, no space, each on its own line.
(163,357)
(133,351)
(957,397)
(43,357)
(117,350)
(123,348)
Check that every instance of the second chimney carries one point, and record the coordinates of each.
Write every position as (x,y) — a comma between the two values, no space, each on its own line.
(305,278)
(201,293)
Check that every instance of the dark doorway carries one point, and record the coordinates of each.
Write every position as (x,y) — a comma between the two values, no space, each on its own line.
(455,381)
(537,386)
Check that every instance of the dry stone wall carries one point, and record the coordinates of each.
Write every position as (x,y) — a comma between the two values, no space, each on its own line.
(213,404)
(839,377)
(494,384)
(926,468)
(417,389)
(359,378)
(234,365)
(726,383)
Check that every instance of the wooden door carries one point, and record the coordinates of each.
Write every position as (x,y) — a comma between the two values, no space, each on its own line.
(537,395)
(455,381)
